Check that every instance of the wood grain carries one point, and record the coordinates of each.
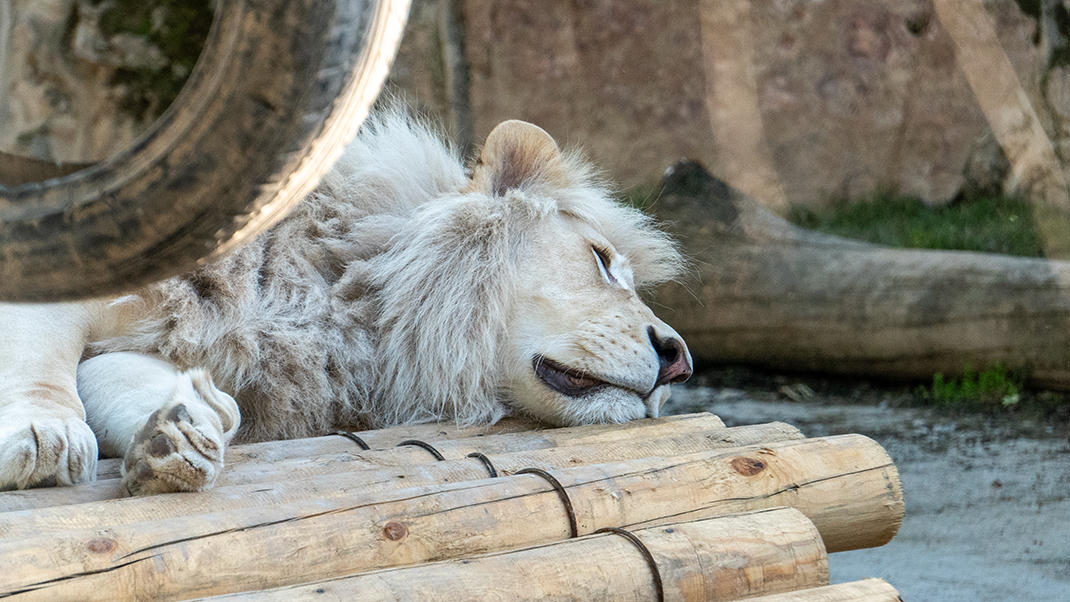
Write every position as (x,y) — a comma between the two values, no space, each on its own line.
(866,590)
(846,485)
(715,559)
(290,460)
(343,480)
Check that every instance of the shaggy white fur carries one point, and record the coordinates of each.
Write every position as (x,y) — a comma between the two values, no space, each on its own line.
(384,297)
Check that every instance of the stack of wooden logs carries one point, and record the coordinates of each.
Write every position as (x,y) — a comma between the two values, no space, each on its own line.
(698,511)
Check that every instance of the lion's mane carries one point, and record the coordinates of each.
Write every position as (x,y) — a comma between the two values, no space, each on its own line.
(382,298)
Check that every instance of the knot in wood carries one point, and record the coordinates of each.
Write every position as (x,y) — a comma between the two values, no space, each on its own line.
(747,467)
(395,531)
(101,545)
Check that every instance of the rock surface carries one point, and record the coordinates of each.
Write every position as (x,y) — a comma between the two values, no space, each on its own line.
(793,102)
(80,79)
(854,96)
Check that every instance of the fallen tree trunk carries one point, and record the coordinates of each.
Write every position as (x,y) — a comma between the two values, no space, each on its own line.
(715,559)
(344,481)
(846,485)
(292,460)
(768,293)
(866,590)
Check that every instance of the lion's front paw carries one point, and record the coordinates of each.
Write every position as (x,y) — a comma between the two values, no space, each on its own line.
(180,448)
(45,450)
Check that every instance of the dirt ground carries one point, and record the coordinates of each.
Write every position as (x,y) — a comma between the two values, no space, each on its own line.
(987,497)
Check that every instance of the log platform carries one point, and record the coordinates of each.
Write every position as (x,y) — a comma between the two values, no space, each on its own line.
(677,508)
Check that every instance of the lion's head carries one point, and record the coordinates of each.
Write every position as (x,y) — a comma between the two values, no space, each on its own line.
(517,287)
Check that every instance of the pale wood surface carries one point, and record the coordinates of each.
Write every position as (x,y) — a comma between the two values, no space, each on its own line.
(714,559)
(769,293)
(732,100)
(273,451)
(846,485)
(866,590)
(345,480)
(1037,173)
(291,460)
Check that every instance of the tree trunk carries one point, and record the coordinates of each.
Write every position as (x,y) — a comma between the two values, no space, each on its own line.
(1035,166)
(732,100)
(716,559)
(768,293)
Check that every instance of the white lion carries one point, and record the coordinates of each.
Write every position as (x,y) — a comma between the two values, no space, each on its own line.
(401,290)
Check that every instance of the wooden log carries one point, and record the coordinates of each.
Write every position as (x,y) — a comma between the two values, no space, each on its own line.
(772,294)
(866,590)
(291,465)
(1036,170)
(385,438)
(111,513)
(273,451)
(846,485)
(715,559)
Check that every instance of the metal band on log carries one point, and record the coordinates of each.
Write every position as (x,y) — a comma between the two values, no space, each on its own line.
(846,485)
(715,559)
(342,477)
(527,436)
(770,293)
(298,459)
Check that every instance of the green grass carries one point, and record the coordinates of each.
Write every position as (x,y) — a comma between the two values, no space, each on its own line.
(995,391)
(993,224)
(178,28)
(994,387)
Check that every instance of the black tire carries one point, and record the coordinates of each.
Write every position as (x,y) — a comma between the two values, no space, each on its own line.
(281,86)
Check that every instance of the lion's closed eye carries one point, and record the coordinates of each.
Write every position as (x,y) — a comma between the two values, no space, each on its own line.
(602,260)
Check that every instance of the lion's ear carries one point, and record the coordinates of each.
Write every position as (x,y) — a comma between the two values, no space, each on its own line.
(517,153)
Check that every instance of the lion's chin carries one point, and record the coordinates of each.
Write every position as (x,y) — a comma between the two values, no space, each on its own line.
(605,405)
(601,405)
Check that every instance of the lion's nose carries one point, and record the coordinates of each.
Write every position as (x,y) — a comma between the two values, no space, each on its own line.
(673,359)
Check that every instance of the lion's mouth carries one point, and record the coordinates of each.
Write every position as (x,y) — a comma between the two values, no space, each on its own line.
(571,382)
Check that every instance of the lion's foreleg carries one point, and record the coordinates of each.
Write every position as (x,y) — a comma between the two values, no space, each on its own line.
(170,426)
(43,435)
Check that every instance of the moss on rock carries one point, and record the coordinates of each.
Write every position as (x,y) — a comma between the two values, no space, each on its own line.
(178,28)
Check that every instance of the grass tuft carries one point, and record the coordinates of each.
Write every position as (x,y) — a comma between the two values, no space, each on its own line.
(992,224)
(995,387)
